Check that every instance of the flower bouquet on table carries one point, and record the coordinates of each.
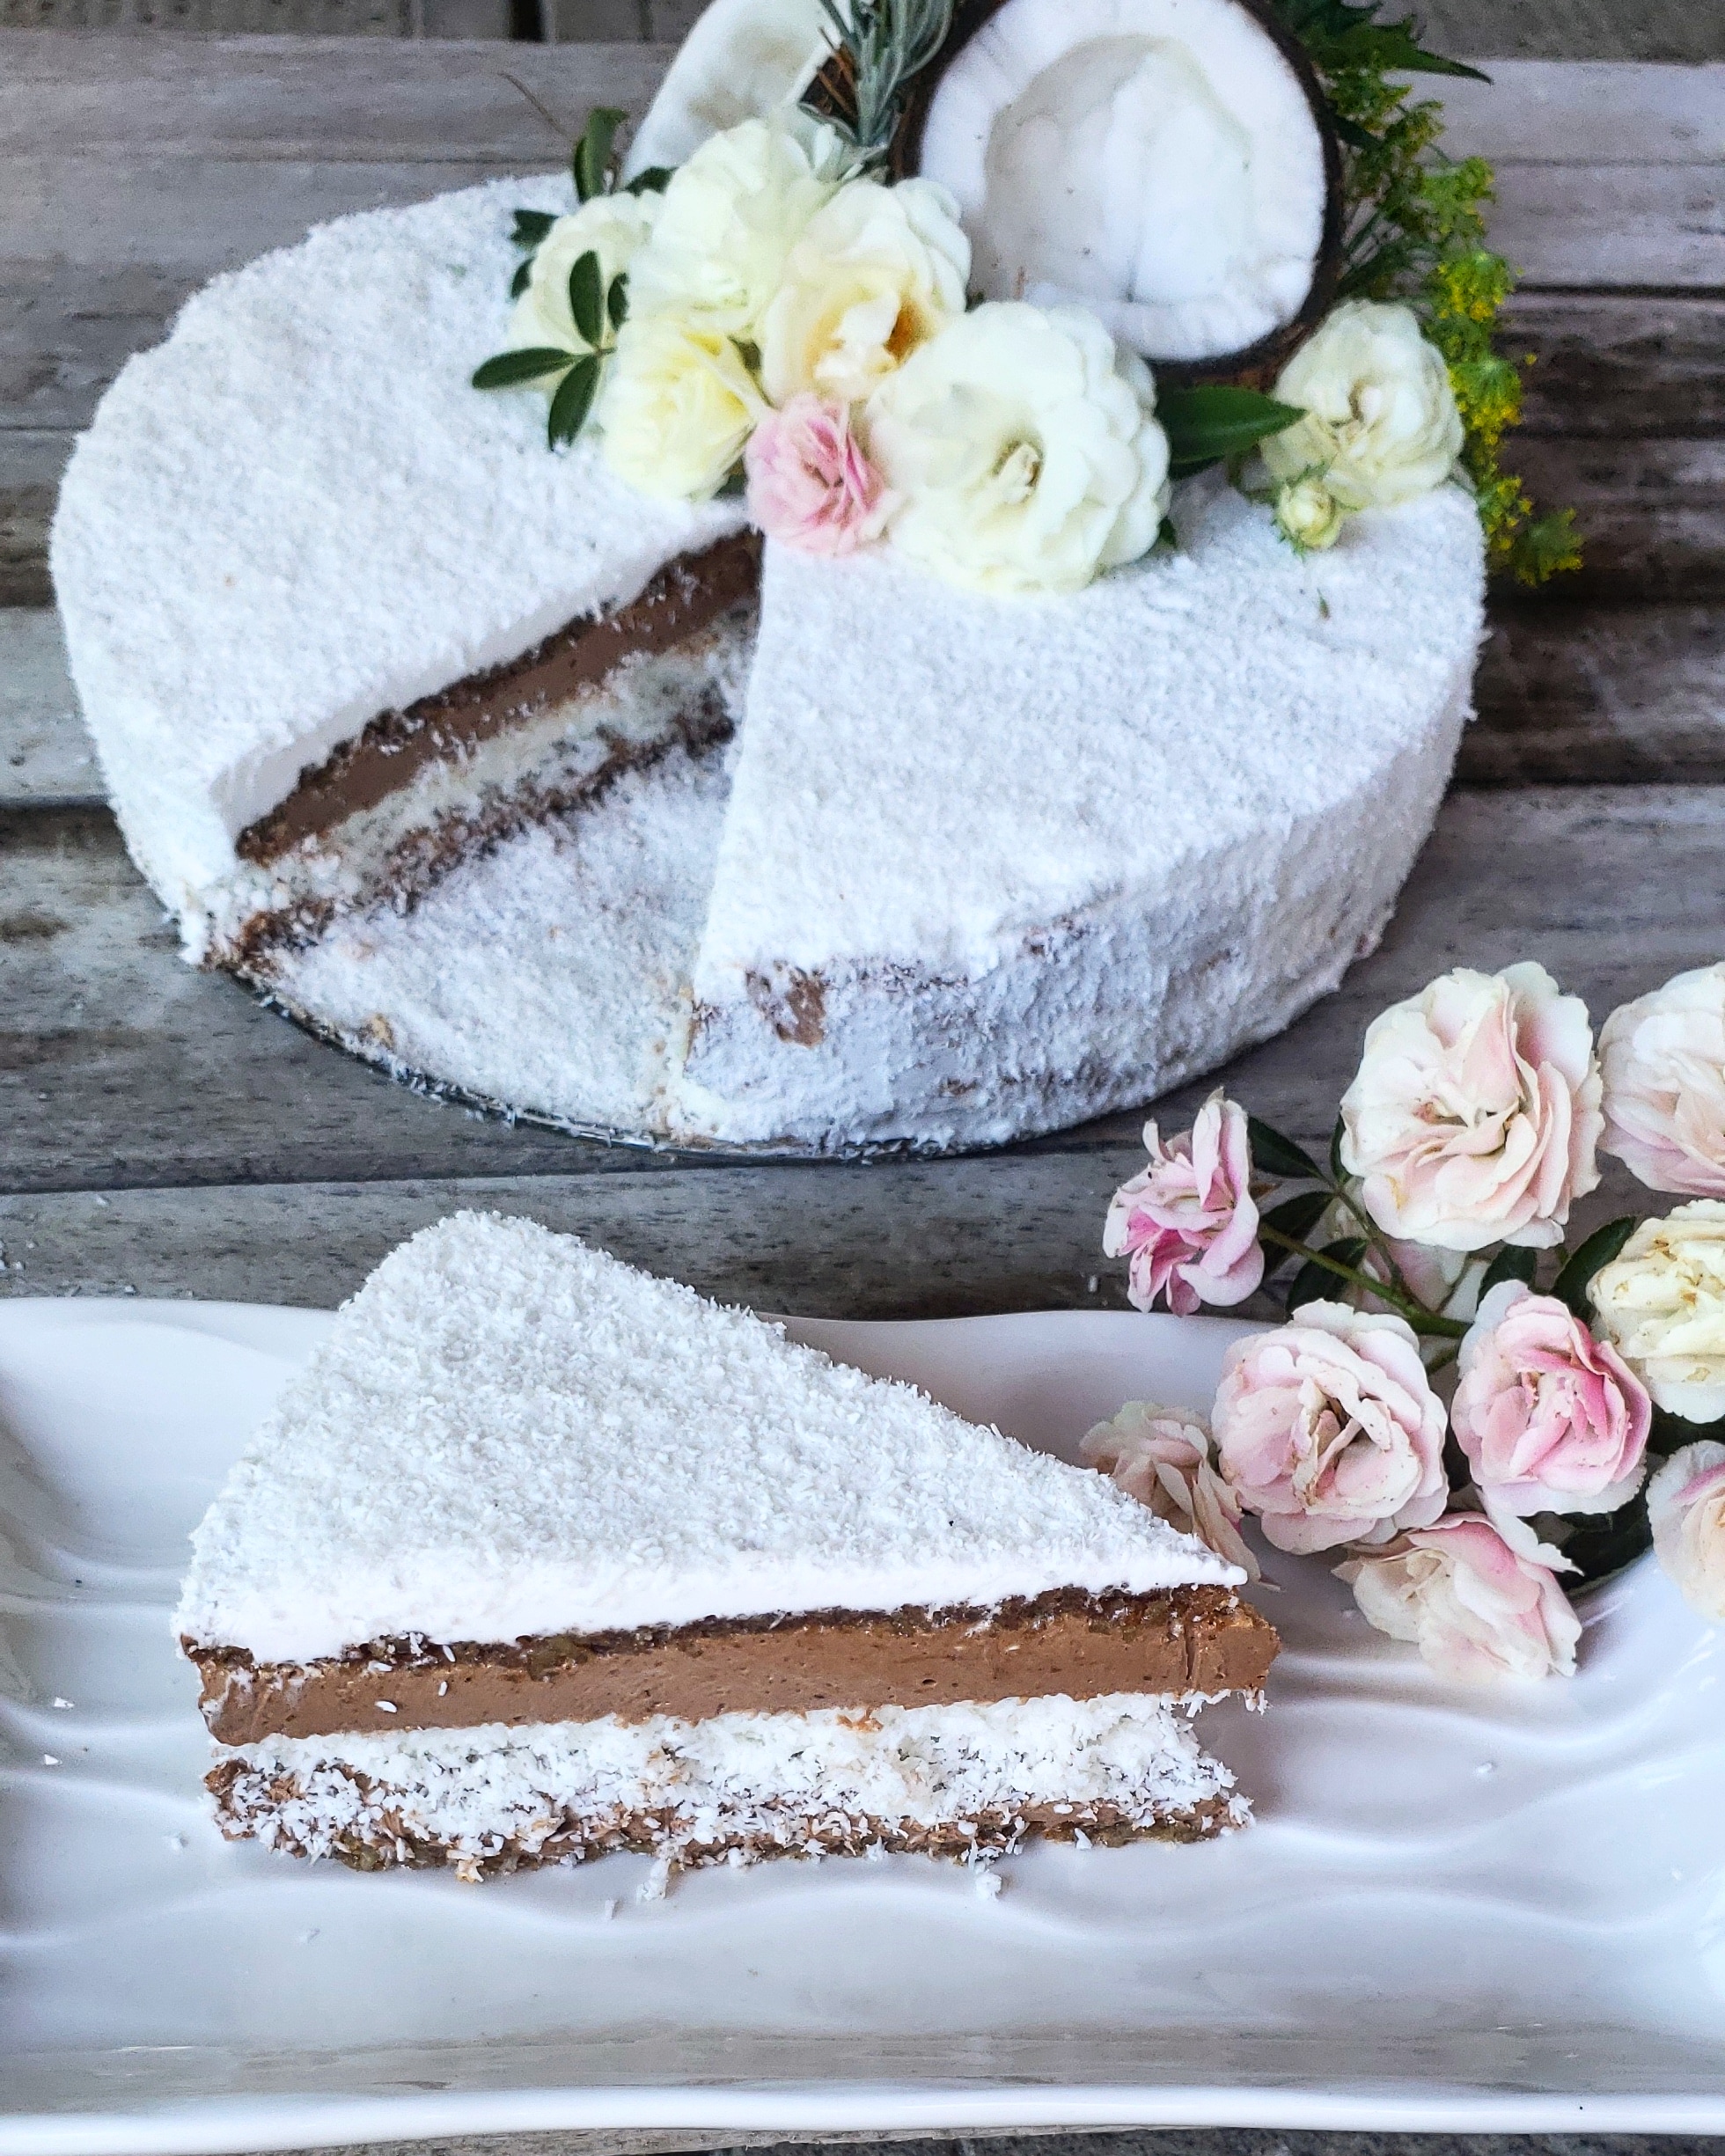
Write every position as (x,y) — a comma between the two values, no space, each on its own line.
(1473,1417)
(826,308)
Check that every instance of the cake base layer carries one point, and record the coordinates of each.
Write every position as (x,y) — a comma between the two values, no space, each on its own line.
(961,1780)
(1187,1641)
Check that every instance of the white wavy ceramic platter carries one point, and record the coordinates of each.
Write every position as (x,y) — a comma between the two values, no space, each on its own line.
(1503,1910)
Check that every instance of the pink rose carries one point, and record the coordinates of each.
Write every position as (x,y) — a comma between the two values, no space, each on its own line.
(1550,1419)
(1686,1505)
(1479,1599)
(1329,1429)
(809,483)
(1662,1058)
(1187,1222)
(1475,1113)
(1161,1455)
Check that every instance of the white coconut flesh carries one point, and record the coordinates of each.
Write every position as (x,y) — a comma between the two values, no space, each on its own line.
(1156,161)
(742,60)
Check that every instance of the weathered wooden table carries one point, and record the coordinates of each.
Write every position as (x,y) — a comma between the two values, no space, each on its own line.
(160,1134)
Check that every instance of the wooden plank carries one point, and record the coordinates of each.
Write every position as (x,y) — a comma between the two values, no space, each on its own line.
(1570,693)
(120,1066)
(270,99)
(31,462)
(1585,112)
(1652,513)
(1615,367)
(46,758)
(918,1239)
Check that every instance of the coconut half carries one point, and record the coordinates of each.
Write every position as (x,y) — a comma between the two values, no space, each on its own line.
(1167,164)
(742,60)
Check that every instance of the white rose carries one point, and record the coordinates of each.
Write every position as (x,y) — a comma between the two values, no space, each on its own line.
(612,226)
(728,219)
(1023,450)
(678,407)
(1474,1114)
(876,274)
(1480,1598)
(1381,423)
(1662,1057)
(1661,1305)
(1686,1506)
(1161,1455)
(1309,514)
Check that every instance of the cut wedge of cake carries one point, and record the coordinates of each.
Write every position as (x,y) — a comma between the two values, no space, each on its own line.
(541,1557)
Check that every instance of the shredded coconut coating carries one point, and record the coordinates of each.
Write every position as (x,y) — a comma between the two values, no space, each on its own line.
(297,513)
(508,1434)
(963,1780)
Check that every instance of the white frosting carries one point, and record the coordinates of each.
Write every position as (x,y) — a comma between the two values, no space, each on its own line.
(764,1784)
(1045,855)
(507,1434)
(297,513)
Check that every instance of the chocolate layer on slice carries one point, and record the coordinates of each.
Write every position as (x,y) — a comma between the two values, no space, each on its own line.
(1190,1639)
(683,598)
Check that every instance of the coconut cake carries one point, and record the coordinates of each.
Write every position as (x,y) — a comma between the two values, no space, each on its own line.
(539,1558)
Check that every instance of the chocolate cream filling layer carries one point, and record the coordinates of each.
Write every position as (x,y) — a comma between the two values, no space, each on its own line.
(1197,1640)
(684,598)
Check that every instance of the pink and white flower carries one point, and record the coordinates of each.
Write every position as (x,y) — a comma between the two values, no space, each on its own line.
(1329,1430)
(1187,1222)
(1161,1455)
(1550,1419)
(1662,1057)
(1474,1116)
(1478,1598)
(811,485)
(1686,1505)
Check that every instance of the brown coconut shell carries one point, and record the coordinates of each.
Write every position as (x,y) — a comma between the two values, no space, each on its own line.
(1259,364)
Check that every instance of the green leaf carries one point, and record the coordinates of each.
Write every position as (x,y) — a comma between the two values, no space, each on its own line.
(587,299)
(654,180)
(617,300)
(592,161)
(1205,425)
(530,227)
(1316,1283)
(1296,1218)
(574,401)
(1512,1263)
(1572,1284)
(1166,533)
(1600,1543)
(510,370)
(1278,1156)
(518,281)
(1671,1433)
(1337,1171)
(1393,48)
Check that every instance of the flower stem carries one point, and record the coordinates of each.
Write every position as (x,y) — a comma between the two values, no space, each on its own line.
(1422,1319)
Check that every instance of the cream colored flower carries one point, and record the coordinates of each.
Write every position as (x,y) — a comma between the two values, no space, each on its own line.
(876,274)
(1474,1115)
(1663,1062)
(728,219)
(1024,449)
(614,227)
(1381,423)
(1161,1455)
(1309,516)
(1686,1506)
(679,407)
(1662,1304)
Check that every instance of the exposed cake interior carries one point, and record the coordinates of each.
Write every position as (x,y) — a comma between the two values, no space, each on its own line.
(525,1504)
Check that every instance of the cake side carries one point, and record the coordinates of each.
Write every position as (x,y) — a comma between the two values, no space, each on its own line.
(957,1781)
(395,533)
(509,1436)
(1146,876)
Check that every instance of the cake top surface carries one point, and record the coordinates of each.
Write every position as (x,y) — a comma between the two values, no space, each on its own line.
(296,512)
(509,1434)
(929,775)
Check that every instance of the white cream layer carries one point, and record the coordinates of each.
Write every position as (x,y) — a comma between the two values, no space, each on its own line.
(771,1779)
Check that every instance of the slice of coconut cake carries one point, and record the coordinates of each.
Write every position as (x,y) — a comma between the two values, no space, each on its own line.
(541,1557)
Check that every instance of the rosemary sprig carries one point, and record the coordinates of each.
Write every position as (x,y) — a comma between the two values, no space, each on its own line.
(878,46)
